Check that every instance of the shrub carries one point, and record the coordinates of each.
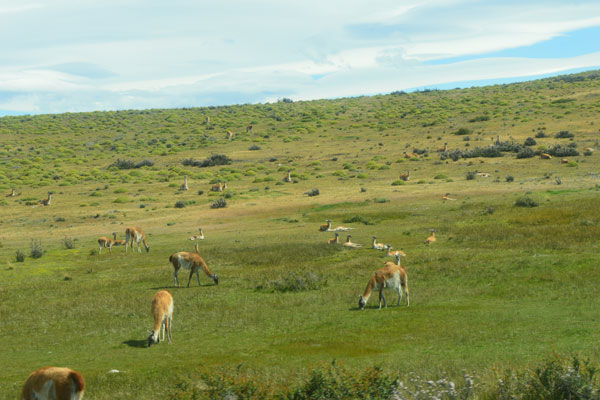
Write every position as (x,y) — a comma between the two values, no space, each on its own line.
(526,202)
(254,147)
(562,151)
(37,250)
(530,141)
(462,131)
(294,282)
(470,175)
(20,256)
(357,219)
(128,164)
(587,152)
(219,203)
(441,176)
(541,134)
(214,160)
(69,243)
(381,200)
(200,192)
(398,182)
(510,178)
(564,135)
(180,204)
(526,152)
(480,118)
(312,192)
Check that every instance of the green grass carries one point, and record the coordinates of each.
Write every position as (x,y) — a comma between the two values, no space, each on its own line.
(502,287)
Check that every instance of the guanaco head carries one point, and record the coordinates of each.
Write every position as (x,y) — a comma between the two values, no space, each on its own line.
(348,238)
(152,339)
(215,278)
(361,302)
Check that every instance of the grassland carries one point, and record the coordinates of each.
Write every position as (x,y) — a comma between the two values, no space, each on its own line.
(503,286)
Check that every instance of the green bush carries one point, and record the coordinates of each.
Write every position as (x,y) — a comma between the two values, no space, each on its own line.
(526,202)
(37,251)
(564,135)
(219,203)
(20,256)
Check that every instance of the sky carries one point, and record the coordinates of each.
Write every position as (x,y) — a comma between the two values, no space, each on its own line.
(61,56)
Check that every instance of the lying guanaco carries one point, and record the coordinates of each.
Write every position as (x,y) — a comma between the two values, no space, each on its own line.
(198,237)
(377,246)
(348,243)
(334,240)
(431,238)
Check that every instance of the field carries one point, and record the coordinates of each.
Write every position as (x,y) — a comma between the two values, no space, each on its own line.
(511,280)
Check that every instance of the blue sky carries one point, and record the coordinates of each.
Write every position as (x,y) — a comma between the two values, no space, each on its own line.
(83,55)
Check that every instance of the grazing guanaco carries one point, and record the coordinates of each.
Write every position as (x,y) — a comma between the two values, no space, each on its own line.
(545,156)
(219,187)
(106,243)
(431,238)
(326,227)
(185,185)
(46,202)
(162,310)
(54,383)
(288,177)
(350,244)
(198,237)
(443,149)
(118,242)
(377,246)
(192,261)
(391,276)
(334,240)
(248,128)
(135,234)
(405,177)
(229,135)
(447,197)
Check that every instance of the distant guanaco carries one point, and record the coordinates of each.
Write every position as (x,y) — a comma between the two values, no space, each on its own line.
(185,185)
(377,246)
(334,240)
(390,277)
(106,243)
(325,227)
(405,177)
(135,234)
(46,202)
(447,197)
(118,242)
(431,238)
(198,237)
(545,156)
(288,177)
(350,244)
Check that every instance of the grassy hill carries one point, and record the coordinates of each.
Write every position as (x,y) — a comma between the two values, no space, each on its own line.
(504,286)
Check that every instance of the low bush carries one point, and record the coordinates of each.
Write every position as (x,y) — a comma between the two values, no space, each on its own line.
(312,192)
(37,250)
(526,202)
(564,135)
(357,219)
(462,131)
(510,178)
(180,204)
(526,152)
(470,175)
(530,141)
(69,243)
(215,159)
(20,256)
(563,151)
(128,164)
(219,203)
